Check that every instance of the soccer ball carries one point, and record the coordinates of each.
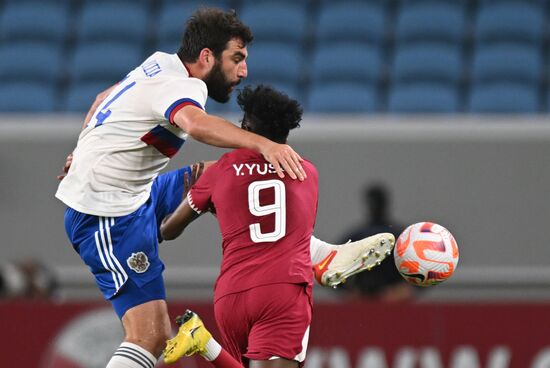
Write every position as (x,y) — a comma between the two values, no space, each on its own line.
(426,254)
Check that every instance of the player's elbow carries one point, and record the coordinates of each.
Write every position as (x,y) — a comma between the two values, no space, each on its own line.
(189,119)
(167,233)
(193,128)
(166,230)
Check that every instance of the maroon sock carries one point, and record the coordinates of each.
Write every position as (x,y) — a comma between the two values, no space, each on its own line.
(225,360)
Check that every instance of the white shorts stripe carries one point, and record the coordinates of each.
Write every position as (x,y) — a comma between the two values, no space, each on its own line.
(100,252)
(122,273)
(302,356)
(107,253)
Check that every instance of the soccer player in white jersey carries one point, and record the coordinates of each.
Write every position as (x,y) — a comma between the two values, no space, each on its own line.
(110,189)
(115,196)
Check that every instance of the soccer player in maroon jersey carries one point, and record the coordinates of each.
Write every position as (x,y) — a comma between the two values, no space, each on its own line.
(262,297)
(263,294)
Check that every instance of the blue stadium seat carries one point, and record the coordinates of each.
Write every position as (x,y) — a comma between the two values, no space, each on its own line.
(30,62)
(427,62)
(510,21)
(430,21)
(171,23)
(423,98)
(79,97)
(351,21)
(269,62)
(342,98)
(113,21)
(34,21)
(504,98)
(27,97)
(351,62)
(276,21)
(507,62)
(108,62)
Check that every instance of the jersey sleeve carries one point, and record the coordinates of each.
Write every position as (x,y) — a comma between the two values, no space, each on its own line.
(175,94)
(199,196)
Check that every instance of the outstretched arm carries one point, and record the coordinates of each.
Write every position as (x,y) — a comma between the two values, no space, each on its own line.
(218,132)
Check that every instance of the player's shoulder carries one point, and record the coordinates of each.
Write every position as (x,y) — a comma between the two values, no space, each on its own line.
(168,66)
(309,167)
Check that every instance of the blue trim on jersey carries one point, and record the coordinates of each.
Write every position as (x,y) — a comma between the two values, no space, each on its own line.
(179,102)
(163,140)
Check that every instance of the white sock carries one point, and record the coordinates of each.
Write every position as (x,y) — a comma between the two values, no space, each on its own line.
(319,249)
(130,355)
(213,349)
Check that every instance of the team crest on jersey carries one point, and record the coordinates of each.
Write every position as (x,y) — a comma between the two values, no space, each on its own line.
(138,262)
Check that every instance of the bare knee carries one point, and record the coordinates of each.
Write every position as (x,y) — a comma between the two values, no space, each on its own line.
(148,325)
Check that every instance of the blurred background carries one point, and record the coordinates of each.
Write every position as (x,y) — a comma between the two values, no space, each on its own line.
(415,110)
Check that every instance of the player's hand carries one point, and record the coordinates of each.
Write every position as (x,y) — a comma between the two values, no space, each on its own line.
(284,158)
(66,167)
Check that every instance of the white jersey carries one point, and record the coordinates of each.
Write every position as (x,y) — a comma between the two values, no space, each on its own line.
(131,138)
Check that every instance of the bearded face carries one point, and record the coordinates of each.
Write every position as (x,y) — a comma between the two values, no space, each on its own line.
(219,85)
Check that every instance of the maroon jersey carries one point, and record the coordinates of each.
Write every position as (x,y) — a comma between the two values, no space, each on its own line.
(266,222)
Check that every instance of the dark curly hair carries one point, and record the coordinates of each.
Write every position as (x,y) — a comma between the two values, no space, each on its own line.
(268,112)
(211,28)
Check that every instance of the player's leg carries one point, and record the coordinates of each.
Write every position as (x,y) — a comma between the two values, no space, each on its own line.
(146,328)
(122,254)
(280,315)
(193,338)
(333,264)
(140,302)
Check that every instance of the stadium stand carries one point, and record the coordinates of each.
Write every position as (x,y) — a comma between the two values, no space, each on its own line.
(423,98)
(473,53)
(351,21)
(27,97)
(503,97)
(329,97)
(430,21)
(79,96)
(276,21)
(102,21)
(275,62)
(34,21)
(31,62)
(362,64)
(427,62)
(510,21)
(94,62)
(507,62)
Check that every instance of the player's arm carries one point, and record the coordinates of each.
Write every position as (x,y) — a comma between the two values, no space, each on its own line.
(173,225)
(98,100)
(218,132)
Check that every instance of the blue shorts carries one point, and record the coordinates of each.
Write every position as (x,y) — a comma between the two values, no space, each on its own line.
(119,249)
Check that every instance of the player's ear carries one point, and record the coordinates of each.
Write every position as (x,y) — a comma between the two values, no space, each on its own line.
(206,57)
